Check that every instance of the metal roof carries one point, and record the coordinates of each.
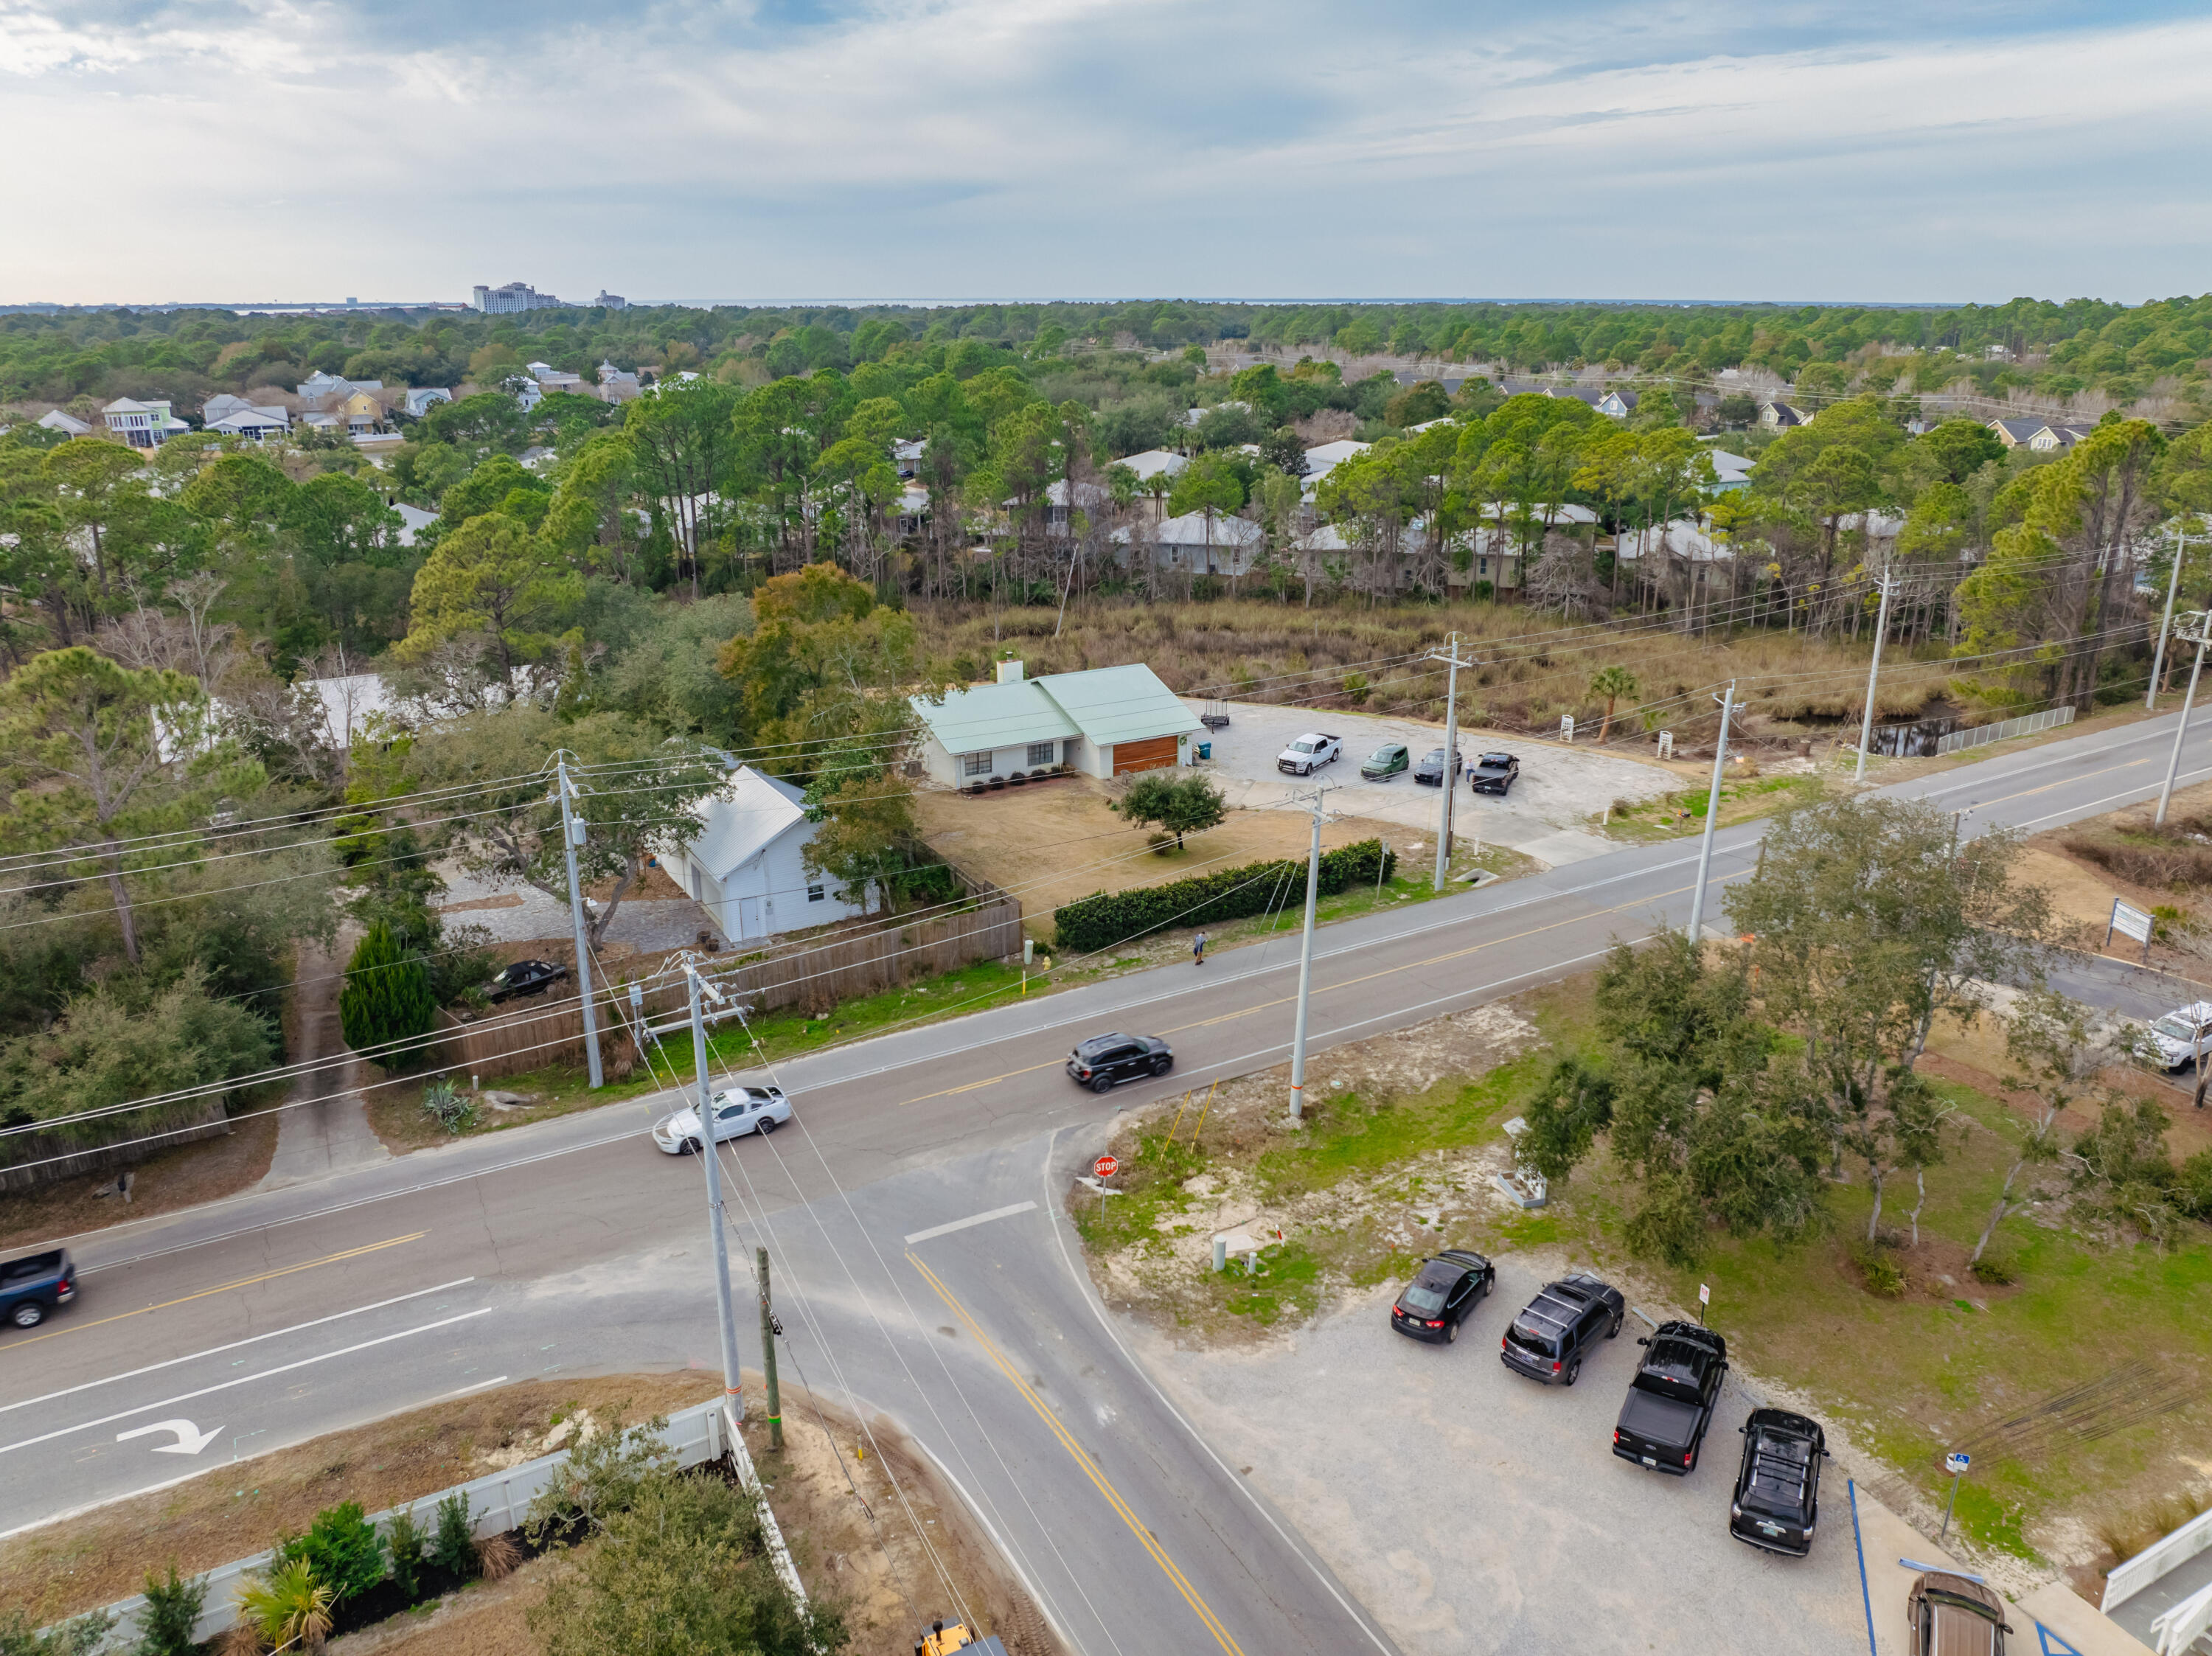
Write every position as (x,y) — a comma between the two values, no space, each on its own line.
(1119,704)
(996,716)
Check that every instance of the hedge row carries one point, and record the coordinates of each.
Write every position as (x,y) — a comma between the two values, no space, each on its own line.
(1106,917)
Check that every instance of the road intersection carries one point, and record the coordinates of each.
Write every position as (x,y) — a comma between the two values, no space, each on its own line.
(924,1268)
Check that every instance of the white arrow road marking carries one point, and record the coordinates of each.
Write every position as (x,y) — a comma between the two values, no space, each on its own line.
(190,1439)
(243,1379)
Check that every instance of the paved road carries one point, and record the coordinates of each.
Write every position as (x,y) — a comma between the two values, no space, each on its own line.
(572,1246)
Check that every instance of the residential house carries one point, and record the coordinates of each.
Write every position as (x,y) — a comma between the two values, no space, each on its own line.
(615,385)
(234,417)
(1614,404)
(1153,462)
(1094,500)
(1323,457)
(1106,722)
(1190,545)
(68,424)
(1780,416)
(551,379)
(1733,471)
(419,400)
(143,425)
(413,519)
(747,868)
(1684,541)
(363,411)
(535,457)
(1192,416)
(2013,432)
(1451,383)
(906,455)
(325,391)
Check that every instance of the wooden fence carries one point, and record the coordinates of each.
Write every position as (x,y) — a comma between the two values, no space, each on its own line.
(545,1029)
(34,1159)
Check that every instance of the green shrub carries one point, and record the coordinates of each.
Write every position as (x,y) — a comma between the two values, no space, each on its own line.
(453,1548)
(2192,1186)
(387,998)
(403,1542)
(173,1607)
(19,1637)
(1108,918)
(449,1107)
(1996,1268)
(1881,1274)
(343,1549)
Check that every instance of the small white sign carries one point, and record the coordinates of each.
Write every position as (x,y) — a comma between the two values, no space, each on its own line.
(2131,922)
(1566,727)
(1704,1294)
(1666,744)
(1956,1463)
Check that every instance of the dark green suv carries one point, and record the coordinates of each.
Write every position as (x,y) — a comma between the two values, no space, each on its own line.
(1385,763)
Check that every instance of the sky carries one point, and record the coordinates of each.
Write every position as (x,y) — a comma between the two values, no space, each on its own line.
(811,149)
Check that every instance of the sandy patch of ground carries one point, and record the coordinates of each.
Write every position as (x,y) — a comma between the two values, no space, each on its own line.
(204,1170)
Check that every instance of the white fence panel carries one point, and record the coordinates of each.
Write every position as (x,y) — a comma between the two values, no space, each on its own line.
(2004,731)
(2158,1559)
(499,1501)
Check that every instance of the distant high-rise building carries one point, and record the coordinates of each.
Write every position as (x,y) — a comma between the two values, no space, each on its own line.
(612,301)
(511,296)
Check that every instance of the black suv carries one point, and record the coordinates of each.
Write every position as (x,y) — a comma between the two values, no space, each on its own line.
(1778,1488)
(1101,1061)
(524,978)
(1432,772)
(1441,1297)
(1550,1338)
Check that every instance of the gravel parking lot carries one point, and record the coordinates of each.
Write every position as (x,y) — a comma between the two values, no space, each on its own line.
(1546,817)
(1472,1510)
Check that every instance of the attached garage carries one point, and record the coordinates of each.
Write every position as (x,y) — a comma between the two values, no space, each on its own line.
(1156,753)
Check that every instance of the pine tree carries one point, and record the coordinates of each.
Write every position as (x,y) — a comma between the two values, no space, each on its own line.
(386,998)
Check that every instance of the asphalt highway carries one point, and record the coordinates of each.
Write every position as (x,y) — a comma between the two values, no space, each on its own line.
(924,1269)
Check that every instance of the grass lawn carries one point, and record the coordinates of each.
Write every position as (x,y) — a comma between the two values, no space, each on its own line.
(1671,815)
(2080,1386)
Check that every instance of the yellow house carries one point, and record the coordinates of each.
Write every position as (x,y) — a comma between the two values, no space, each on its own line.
(362,413)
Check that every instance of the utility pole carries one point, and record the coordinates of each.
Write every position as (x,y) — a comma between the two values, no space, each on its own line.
(1451,760)
(733,1396)
(1712,816)
(572,835)
(2194,627)
(2166,621)
(768,1356)
(1866,718)
(1305,966)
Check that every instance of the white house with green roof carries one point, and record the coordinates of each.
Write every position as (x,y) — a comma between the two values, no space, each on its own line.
(1106,722)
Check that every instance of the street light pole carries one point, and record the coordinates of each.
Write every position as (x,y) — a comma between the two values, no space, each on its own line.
(1866,718)
(1712,816)
(1451,760)
(2194,627)
(2166,621)
(733,1398)
(1305,964)
(572,835)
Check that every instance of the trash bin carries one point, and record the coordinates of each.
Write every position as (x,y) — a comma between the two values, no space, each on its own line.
(1206,750)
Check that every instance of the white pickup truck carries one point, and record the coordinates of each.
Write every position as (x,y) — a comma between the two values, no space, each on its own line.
(1309,753)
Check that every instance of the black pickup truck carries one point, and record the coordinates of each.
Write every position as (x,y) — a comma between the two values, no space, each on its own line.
(1670,1401)
(35,1284)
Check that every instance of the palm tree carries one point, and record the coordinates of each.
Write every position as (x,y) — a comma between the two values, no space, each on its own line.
(290,1610)
(1613,683)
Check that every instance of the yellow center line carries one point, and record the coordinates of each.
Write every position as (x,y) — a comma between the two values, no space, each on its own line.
(1330,988)
(1144,1537)
(2063,781)
(243,1282)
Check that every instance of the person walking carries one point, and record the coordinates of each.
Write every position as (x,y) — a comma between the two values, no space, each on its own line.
(1198,950)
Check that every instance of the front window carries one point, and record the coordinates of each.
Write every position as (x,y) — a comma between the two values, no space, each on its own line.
(975,764)
(1041,753)
(2174,1026)
(1302,747)
(815,894)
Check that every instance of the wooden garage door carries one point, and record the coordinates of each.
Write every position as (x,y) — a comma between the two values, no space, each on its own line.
(1148,755)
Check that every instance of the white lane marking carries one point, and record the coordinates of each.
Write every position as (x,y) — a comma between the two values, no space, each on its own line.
(972,1219)
(243,1379)
(2184,779)
(190,1439)
(496,1380)
(217,1350)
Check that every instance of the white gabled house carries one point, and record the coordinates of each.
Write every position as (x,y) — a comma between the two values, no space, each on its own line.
(143,425)
(747,867)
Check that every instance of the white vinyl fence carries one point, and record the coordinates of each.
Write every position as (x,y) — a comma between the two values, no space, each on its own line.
(2027,725)
(499,1502)
(2158,1559)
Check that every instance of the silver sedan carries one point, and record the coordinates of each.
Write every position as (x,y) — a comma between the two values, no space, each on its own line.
(738,1111)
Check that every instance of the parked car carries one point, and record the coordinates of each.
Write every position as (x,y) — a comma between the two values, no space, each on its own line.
(1556,1329)
(1309,753)
(1441,1294)
(2184,1035)
(1386,762)
(1947,1615)
(1494,772)
(35,1284)
(1432,772)
(737,1111)
(1102,1060)
(1670,1401)
(1778,1488)
(523,978)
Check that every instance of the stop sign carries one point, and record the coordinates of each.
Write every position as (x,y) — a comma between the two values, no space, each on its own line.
(1106,1167)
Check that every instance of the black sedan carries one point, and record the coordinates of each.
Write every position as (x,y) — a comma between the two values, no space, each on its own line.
(1494,772)
(1441,1297)
(524,978)
(1101,1061)
(1432,772)
(1778,1488)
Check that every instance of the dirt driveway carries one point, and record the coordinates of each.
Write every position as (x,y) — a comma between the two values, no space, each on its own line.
(1546,817)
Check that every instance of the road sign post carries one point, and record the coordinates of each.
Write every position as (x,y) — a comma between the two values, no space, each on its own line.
(1955,1463)
(1704,1299)
(1106,1167)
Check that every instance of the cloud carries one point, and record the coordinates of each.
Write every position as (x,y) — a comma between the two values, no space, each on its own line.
(905,148)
